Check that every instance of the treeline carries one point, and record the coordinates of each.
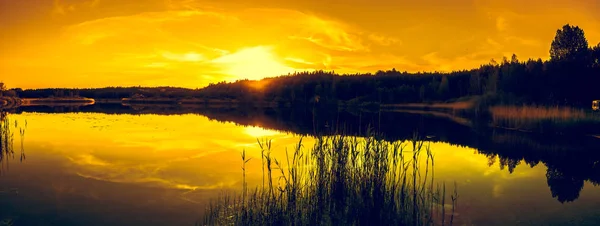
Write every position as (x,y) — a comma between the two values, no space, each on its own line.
(108,92)
(570,77)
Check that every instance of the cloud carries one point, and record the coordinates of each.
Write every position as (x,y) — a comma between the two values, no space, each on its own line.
(524,41)
(88,159)
(94,3)
(63,7)
(216,45)
(501,24)
(334,35)
(91,167)
(383,40)
(122,42)
(252,63)
(494,44)
(183,57)
(372,62)
(89,39)
(58,8)
(434,62)
(325,33)
(440,64)
(157,65)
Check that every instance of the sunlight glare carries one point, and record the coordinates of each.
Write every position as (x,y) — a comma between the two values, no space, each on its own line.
(258,85)
(253,63)
(258,132)
(185,57)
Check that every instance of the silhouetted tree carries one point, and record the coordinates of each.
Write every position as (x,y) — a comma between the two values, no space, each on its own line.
(569,43)
(513,59)
(2,88)
(595,53)
(444,87)
(10,93)
(570,78)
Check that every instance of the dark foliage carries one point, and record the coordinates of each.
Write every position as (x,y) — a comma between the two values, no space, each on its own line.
(568,78)
(107,93)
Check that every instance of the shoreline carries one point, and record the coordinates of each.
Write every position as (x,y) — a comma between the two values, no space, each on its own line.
(14,102)
(56,101)
(459,112)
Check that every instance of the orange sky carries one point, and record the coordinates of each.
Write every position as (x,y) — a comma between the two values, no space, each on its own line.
(190,43)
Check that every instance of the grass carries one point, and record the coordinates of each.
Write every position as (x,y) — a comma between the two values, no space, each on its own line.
(544,118)
(466,106)
(539,112)
(340,181)
(53,101)
(7,141)
(459,105)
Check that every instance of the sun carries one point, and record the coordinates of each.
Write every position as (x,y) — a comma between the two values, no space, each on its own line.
(253,63)
(258,132)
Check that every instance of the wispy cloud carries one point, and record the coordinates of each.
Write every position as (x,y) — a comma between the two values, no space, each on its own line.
(325,33)
(63,7)
(299,37)
(89,39)
(493,43)
(59,8)
(384,40)
(157,65)
(501,24)
(439,63)
(183,57)
(94,3)
(312,43)
(524,41)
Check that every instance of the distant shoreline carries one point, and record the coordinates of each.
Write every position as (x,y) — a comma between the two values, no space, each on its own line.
(57,101)
(526,118)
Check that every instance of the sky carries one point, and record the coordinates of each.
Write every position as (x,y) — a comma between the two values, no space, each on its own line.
(191,43)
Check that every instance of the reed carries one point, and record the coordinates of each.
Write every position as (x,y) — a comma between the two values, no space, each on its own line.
(7,141)
(340,181)
(543,118)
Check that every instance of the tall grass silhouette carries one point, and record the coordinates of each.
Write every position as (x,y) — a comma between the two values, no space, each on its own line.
(545,119)
(340,181)
(7,141)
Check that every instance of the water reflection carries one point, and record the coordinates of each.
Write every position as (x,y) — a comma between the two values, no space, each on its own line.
(7,152)
(191,151)
(570,160)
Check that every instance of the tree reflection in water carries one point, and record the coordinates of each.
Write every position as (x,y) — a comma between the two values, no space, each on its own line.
(571,160)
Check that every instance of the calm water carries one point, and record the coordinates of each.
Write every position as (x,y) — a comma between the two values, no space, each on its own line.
(117,165)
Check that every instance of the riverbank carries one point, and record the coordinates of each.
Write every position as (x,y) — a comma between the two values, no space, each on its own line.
(57,101)
(524,118)
(460,105)
(195,102)
(467,111)
(545,119)
(10,102)
(15,102)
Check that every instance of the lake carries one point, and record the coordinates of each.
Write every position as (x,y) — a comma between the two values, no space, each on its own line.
(137,165)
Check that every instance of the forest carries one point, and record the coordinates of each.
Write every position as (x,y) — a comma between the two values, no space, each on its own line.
(569,77)
(105,93)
